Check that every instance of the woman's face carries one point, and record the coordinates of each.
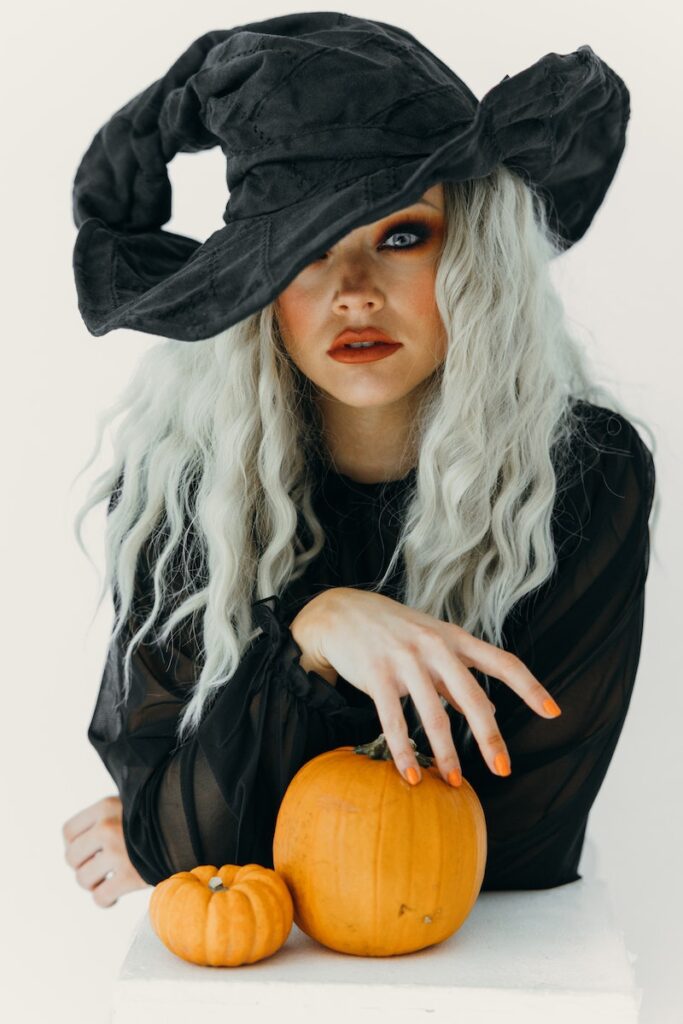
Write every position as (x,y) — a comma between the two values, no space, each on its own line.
(378,275)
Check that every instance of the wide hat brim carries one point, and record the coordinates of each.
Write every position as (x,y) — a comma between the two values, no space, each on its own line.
(560,124)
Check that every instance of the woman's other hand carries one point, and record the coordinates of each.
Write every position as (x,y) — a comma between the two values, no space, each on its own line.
(95,846)
(388,650)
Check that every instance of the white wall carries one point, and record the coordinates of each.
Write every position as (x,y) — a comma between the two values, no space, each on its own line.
(66,68)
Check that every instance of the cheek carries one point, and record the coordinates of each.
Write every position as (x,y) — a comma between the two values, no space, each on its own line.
(293,314)
(421,299)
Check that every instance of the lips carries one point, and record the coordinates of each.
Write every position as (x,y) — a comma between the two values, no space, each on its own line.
(367,334)
(364,355)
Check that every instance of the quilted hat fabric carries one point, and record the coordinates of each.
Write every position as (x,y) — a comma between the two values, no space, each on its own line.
(327,121)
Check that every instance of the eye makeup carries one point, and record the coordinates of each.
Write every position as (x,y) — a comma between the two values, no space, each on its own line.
(415,225)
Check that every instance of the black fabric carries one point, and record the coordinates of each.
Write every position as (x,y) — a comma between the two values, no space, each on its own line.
(215,798)
(328,121)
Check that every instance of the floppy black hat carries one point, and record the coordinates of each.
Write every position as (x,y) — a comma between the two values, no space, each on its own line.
(328,121)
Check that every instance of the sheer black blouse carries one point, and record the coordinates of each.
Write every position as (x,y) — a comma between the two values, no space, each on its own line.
(214,799)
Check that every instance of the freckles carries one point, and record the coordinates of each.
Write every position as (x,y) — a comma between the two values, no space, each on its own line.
(422,294)
(293,311)
(421,307)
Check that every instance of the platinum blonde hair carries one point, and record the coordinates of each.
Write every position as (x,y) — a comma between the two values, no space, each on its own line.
(221,433)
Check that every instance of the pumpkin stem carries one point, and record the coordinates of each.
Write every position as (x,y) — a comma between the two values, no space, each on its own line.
(379,750)
(216,883)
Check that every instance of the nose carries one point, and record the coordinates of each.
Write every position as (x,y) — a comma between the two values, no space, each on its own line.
(356,302)
(357,295)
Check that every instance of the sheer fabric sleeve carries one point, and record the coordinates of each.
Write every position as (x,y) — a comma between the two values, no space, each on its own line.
(580,635)
(214,799)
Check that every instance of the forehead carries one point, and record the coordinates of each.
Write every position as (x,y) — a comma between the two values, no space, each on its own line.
(432,199)
(434,196)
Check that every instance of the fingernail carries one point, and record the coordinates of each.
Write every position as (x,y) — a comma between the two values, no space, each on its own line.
(502,764)
(455,778)
(551,707)
(413,776)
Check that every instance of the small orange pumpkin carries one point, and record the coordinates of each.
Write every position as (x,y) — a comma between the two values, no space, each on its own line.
(224,917)
(375,866)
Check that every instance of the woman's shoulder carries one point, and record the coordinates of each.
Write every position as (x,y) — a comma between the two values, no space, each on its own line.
(608,482)
(608,442)
(607,426)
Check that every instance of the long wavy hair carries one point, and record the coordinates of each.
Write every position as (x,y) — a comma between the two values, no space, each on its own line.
(222,433)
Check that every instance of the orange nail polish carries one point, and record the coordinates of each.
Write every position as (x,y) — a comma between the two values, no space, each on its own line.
(455,778)
(502,764)
(551,707)
(413,777)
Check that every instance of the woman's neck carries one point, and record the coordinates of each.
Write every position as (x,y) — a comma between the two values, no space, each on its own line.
(369,445)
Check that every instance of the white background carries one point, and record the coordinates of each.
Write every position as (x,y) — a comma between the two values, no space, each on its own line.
(66,68)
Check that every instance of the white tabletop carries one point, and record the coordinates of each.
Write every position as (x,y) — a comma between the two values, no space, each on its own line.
(552,956)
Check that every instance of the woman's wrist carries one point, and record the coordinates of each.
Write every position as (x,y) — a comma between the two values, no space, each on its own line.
(306,627)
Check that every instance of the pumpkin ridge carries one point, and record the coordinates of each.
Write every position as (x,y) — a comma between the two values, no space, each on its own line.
(240,903)
(213,926)
(254,948)
(439,839)
(378,848)
(261,908)
(411,884)
(340,884)
(263,903)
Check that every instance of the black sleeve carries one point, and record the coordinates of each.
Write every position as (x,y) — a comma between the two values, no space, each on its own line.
(580,635)
(214,799)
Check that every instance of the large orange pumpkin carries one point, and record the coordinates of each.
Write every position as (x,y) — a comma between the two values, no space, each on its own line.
(375,866)
(222,917)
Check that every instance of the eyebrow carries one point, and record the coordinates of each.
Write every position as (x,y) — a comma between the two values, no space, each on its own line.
(427,203)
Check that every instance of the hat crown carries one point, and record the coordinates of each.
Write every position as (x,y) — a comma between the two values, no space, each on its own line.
(295,115)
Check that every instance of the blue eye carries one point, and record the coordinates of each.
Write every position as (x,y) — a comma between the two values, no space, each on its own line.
(416,228)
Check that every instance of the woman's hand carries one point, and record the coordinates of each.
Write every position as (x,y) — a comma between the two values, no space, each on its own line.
(388,650)
(95,846)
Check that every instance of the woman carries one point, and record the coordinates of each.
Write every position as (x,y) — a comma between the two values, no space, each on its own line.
(446,538)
